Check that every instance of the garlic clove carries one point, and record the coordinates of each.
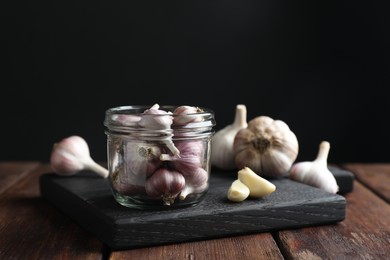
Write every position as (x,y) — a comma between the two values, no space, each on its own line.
(258,186)
(71,155)
(238,191)
(196,182)
(316,173)
(222,154)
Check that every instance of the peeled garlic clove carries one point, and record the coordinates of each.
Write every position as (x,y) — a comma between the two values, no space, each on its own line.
(316,173)
(258,186)
(165,184)
(267,146)
(238,191)
(222,154)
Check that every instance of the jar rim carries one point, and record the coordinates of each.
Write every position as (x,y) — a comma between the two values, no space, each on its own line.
(135,112)
(138,109)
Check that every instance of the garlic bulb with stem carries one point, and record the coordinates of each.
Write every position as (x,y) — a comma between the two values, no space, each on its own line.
(156,119)
(316,173)
(71,155)
(222,153)
(267,146)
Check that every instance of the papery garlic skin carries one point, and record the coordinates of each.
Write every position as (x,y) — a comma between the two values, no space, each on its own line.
(183,115)
(196,182)
(190,158)
(316,172)
(142,158)
(127,184)
(267,146)
(156,119)
(165,184)
(71,155)
(127,120)
(222,154)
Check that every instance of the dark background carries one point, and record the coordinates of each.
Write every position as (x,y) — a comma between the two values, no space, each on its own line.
(320,66)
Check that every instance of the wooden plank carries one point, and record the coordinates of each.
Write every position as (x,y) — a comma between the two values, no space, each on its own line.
(364,234)
(11,172)
(86,196)
(30,228)
(376,176)
(258,246)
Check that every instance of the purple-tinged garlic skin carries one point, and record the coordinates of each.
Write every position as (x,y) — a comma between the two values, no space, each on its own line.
(126,120)
(196,182)
(156,119)
(316,173)
(71,155)
(191,157)
(184,115)
(127,185)
(165,184)
(143,159)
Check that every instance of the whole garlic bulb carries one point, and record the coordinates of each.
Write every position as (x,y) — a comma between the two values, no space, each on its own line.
(316,173)
(165,184)
(222,154)
(267,146)
(157,119)
(71,155)
(142,158)
(186,114)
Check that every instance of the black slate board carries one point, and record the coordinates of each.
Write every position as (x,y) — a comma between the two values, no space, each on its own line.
(87,199)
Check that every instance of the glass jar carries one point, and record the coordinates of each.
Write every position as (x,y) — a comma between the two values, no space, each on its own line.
(159,156)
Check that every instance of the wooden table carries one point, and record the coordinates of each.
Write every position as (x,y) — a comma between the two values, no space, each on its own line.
(31,228)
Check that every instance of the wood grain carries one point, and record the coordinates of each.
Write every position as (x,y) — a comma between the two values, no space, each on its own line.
(376,176)
(11,172)
(258,246)
(32,229)
(364,234)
